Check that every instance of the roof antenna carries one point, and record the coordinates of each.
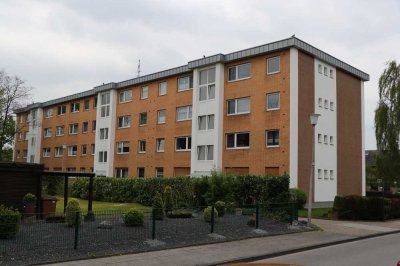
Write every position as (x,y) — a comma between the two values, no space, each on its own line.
(138,69)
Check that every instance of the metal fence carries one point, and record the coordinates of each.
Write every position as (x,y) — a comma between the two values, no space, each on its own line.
(105,232)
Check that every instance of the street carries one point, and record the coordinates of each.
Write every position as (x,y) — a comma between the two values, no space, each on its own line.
(378,251)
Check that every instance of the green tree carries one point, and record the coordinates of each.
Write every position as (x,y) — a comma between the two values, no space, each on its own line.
(387,123)
(13,94)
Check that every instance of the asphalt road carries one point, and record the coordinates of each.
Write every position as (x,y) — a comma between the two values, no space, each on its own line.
(378,251)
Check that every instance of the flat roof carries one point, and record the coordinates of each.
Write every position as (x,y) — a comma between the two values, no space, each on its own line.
(202,62)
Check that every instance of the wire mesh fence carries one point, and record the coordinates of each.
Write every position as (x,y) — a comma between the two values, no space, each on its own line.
(100,233)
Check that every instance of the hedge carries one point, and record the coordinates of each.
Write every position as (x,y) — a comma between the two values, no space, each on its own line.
(366,208)
(188,191)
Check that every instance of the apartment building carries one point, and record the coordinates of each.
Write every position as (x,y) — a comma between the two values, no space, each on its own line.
(245,112)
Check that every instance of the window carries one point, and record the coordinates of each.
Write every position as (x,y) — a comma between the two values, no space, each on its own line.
(124,121)
(102,156)
(319,138)
(73,129)
(72,150)
(206,122)
(71,169)
(103,133)
(272,138)
(331,140)
(162,88)
(273,65)
(17,154)
(331,73)
(159,172)
(325,174)
(140,171)
(21,119)
(160,145)
(58,151)
(320,68)
(183,143)
(205,152)
(60,131)
(123,147)
(183,113)
(95,102)
(331,174)
(326,139)
(326,102)
(207,84)
(94,125)
(121,172)
(144,92)
(142,119)
(320,102)
(19,135)
(32,159)
(85,127)
(33,141)
(239,106)
(25,154)
(74,107)
(84,149)
(239,72)
(125,96)
(325,71)
(105,105)
(47,132)
(185,83)
(92,149)
(319,174)
(26,135)
(82,169)
(61,109)
(237,140)
(91,170)
(161,116)
(46,152)
(49,112)
(142,146)
(86,104)
(331,105)
(273,101)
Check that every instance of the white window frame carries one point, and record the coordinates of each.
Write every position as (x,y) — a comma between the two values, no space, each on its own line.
(206,152)
(163,111)
(331,106)
(319,176)
(186,143)
(49,113)
(121,146)
(266,138)
(19,135)
(58,152)
(125,96)
(142,92)
(325,174)
(331,73)
(237,72)
(279,101)
(235,147)
(61,109)
(84,104)
(71,151)
(58,129)
(325,71)
(236,106)
(83,149)
(120,172)
(75,107)
(103,133)
(319,138)
(331,141)
(326,104)
(320,102)
(71,128)
(105,100)
(140,119)
(163,85)
(331,175)
(320,68)
(48,132)
(26,135)
(46,152)
(142,148)
(325,139)
(25,154)
(124,121)
(83,127)
(190,77)
(188,111)
(159,174)
(158,141)
(92,149)
(102,156)
(207,123)
(271,58)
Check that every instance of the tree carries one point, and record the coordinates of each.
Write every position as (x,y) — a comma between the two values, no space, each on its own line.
(387,123)
(13,94)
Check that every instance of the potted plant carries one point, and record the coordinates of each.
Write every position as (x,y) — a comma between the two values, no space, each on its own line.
(29,201)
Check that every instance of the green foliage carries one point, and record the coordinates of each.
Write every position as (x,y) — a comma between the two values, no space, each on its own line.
(133,217)
(70,212)
(220,187)
(29,198)
(6,154)
(220,207)
(168,199)
(158,205)
(52,185)
(207,212)
(299,197)
(10,220)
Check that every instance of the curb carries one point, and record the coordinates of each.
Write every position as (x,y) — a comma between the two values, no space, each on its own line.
(297,250)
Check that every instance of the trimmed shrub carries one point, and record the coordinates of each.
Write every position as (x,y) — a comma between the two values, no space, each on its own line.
(207,212)
(168,200)
(10,221)
(29,198)
(299,197)
(158,205)
(133,217)
(220,207)
(70,212)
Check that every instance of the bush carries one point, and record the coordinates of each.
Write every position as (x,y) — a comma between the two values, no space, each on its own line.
(29,198)
(70,212)
(158,206)
(10,221)
(299,197)
(168,201)
(52,185)
(208,212)
(220,207)
(133,217)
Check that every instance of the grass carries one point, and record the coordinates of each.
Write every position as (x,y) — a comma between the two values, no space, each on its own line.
(317,213)
(101,206)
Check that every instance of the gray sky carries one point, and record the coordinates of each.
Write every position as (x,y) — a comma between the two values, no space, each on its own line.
(64,47)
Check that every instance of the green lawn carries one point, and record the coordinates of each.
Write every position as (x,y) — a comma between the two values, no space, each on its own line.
(101,206)
(316,213)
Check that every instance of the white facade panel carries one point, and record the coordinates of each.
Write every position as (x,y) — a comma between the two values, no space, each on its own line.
(363,181)
(35,135)
(294,121)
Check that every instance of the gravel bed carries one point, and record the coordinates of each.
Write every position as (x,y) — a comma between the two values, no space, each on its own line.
(41,242)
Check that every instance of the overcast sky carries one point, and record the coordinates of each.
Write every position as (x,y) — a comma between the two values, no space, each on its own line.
(64,47)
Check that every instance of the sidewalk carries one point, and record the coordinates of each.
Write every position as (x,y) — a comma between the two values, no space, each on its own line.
(333,231)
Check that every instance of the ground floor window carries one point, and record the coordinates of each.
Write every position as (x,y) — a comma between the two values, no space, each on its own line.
(140,171)
(159,172)
(121,172)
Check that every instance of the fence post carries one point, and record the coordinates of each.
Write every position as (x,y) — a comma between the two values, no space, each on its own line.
(212,219)
(153,228)
(293,215)
(257,214)
(77,223)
